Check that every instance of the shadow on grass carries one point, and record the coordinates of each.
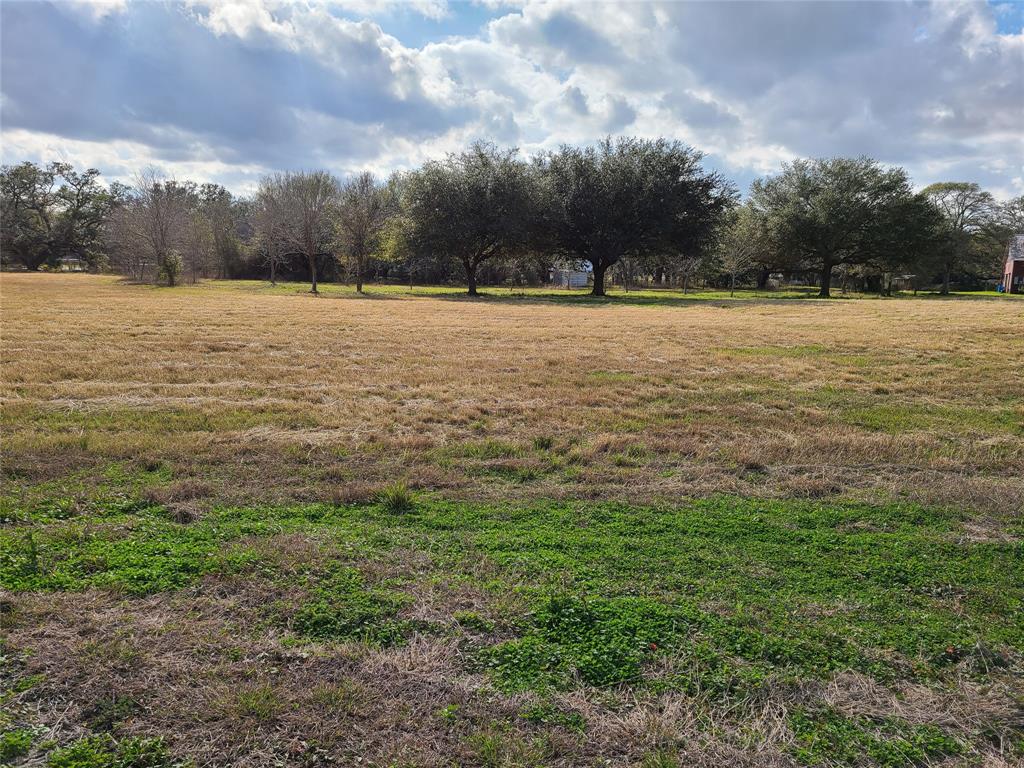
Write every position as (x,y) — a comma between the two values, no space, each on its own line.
(639,299)
(649,297)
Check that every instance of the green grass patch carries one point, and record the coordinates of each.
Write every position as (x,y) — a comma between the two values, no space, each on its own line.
(16,743)
(341,607)
(829,738)
(107,752)
(596,642)
(906,417)
(734,590)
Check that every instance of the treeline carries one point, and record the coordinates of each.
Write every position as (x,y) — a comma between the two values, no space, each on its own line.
(643,211)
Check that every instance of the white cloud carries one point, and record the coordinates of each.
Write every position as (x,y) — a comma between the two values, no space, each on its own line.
(232,89)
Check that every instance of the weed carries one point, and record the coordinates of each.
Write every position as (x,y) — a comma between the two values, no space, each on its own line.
(546,713)
(498,747)
(473,621)
(397,498)
(105,713)
(259,702)
(343,697)
(341,607)
(827,737)
(662,758)
(449,713)
(105,752)
(599,642)
(16,743)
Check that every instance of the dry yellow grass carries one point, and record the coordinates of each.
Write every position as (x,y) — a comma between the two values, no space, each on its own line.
(278,394)
(178,620)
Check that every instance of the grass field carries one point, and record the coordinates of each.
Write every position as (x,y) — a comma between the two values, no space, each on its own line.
(246,526)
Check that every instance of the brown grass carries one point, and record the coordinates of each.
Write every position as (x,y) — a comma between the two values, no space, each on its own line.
(257,395)
(200,672)
(250,395)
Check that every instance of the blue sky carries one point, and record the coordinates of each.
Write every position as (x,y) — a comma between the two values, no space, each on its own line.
(229,92)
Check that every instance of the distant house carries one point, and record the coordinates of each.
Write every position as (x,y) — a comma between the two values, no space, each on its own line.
(565,277)
(1013,272)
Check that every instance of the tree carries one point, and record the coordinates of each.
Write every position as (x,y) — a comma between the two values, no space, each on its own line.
(197,245)
(627,198)
(364,209)
(739,243)
(309,200)
(52,213)
(269,221)
(152,224)
(827,213)
(1011,215)
(688,268)
(470,207)
(967,210)
(218,207)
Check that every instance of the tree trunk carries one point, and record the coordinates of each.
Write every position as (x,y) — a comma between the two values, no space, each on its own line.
(732,284)
(826,281)
(762,278)
(945,279)
(312,273)
(599,270)
(273,273)
(470,277)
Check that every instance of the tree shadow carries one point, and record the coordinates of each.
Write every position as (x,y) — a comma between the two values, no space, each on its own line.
(617,299)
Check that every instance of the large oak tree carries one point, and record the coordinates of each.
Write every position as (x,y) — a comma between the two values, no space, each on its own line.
(821,214)
(50,213)
(470,207)
(628,198)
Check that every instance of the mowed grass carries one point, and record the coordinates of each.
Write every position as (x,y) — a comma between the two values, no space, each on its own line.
(264,391)
(247,526)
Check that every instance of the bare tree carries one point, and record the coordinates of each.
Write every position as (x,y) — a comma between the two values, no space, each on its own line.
(152,222)
(270,219)
(688,267)
(197,245)
(310,200)
(738,244)
(365,206)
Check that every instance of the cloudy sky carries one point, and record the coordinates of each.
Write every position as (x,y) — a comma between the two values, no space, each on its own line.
(219,92)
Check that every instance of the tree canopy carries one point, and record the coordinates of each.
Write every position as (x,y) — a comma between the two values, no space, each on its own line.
(52,213)
(647,210)
(841,211)
(472,206)
(628,197)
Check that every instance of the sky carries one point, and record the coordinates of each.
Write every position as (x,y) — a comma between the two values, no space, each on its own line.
(229,92)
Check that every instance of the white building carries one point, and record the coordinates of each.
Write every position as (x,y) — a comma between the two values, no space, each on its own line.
(565,277)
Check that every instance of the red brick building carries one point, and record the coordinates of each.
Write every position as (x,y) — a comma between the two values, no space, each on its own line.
(1013,272)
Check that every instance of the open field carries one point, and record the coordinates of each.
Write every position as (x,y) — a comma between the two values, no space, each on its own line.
(267,528)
